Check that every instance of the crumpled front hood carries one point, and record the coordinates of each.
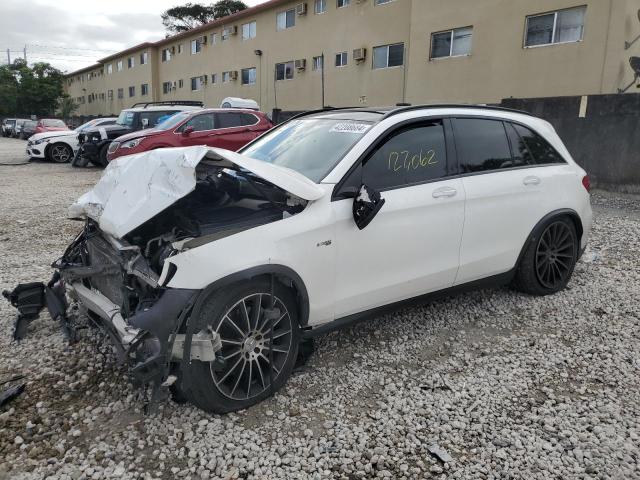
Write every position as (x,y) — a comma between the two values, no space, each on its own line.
(135,188)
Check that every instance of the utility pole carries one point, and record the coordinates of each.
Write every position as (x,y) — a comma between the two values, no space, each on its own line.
(322,72)
(8,56)
(25,54)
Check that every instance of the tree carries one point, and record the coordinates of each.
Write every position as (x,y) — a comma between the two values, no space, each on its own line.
(66,107)
(28,90)
(191,15)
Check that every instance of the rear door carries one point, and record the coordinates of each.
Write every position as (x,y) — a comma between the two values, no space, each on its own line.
(412,246)
(506,195)
(233,130)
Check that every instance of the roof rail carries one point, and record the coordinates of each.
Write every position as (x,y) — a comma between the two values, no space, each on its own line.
(190,103)
(451,105)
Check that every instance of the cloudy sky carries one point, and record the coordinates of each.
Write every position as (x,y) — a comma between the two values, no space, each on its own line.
(72,34)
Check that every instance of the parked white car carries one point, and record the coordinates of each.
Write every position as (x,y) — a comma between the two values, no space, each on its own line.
(207,267)
(61,146)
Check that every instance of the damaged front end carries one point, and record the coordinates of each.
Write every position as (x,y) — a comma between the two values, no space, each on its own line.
(143,211)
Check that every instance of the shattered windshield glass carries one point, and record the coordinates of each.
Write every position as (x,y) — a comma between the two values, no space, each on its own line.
(311,146)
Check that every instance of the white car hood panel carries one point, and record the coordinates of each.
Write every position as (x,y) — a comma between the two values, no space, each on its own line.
(60,133)
(135,188)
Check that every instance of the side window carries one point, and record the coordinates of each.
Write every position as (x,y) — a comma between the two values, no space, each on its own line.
(412,155)
(541,153)
(229,120)
(482,145)
(153,117)
(248,119)
(201,123)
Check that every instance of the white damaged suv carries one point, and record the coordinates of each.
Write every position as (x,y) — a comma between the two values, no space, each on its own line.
(208,267)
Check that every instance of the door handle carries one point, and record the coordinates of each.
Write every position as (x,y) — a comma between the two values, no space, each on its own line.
(444,192)
(531,180)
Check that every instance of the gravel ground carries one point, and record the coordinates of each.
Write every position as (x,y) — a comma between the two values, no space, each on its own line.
(13,151)
(510,386)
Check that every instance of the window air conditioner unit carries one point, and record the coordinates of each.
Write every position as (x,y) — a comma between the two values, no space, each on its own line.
(301,9)
(233,75)
(233,30)
(301,64)
(203,39)
(173,50)
(203,79)
(360,54)
(174,85)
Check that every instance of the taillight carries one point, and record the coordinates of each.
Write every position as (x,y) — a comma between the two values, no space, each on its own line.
(586,183)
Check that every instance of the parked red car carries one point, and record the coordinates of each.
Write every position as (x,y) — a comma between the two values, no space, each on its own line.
(228,128)
(50,125)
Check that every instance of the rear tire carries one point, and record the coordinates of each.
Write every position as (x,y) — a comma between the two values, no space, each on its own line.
(549,260)
(237,314)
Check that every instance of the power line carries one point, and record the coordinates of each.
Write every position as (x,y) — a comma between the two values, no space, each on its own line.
(70,48)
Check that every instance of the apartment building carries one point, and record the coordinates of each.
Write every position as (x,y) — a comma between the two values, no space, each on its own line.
(297,55)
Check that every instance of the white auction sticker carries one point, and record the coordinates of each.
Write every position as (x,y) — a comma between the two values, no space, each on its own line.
(350,127)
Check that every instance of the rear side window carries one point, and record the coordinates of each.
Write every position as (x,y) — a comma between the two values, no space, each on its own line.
(482,145)
(229,120)
(248,119)
(539,150)
(412,155)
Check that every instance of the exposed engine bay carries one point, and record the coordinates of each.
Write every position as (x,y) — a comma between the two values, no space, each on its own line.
(117,281)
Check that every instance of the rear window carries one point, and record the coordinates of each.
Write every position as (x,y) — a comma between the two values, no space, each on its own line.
(53,123)
(482,145)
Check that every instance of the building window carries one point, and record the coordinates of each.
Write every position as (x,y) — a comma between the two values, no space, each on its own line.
(387,56)
(196,46)
(452,43)
(286,19)
(284,71)
(180,83)
(144,89)
(382,2)
(318,63)
(227,32)
(214,78)
(121,93)
(226,77)
(132,91)
(110,94)
(166,55)
(248,76)
(196,83)
(180,48)
(341,59)
(110,69)
(342,3)
(119,65)
(320,6)
(563,26)
(131,62)
(249,30)
(144,58)
(214,38)
(166,87)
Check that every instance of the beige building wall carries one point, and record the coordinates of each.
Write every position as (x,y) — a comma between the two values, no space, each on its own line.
(499,65)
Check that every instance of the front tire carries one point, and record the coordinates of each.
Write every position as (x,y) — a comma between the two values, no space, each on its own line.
(237,314)
(101,160)
(550,258)
(60,153)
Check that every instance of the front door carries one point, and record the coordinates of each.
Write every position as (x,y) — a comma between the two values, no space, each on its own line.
(200,130)
(412,246)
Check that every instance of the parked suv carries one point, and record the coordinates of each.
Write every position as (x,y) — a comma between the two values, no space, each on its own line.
(61,146)
(7,126)
(223,128)
(207,267)
(28,129)
(95,142)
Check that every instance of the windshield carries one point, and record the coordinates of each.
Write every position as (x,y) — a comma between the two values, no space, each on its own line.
(125,118)
(171,121)
(85,125)
(310,146)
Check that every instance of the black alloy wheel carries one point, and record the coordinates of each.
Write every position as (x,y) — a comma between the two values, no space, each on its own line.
(555,255)
(60,153)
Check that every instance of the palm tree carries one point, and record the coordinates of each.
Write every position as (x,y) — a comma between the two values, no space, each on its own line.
(66,107)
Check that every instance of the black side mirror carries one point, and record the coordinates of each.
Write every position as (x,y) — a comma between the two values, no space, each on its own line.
(366,206)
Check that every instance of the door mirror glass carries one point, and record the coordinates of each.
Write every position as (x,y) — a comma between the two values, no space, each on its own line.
(187,131)
(145,122)
(366,206)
